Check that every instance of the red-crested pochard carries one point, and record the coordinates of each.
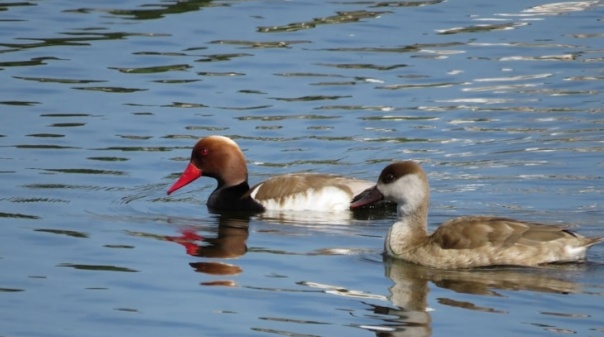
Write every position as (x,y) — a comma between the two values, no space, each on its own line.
(465,242)
(221,158)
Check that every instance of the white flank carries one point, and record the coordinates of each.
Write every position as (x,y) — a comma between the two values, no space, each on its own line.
(575,253)
(325,199)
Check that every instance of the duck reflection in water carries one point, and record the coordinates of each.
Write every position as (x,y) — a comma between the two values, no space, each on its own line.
(410,314)
(229,243)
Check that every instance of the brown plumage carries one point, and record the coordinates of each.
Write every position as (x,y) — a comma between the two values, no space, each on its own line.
(466,242)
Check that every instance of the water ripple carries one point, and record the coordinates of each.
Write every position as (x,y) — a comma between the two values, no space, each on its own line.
(155,13)
(261,44)
(152,70)
(57,80)
(341,17)
(101,104)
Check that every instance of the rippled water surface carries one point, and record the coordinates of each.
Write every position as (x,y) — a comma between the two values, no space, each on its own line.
(100,104)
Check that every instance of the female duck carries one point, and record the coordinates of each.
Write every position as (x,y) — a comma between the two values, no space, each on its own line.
(221,158)
(465,242)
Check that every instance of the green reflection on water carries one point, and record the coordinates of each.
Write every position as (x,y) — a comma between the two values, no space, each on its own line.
(74,234)
(97,267)
(341,17)
(87,171)
(18,216)
(108,158)
(111,89)
(151,70)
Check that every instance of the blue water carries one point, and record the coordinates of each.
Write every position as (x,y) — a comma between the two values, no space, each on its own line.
(101,103)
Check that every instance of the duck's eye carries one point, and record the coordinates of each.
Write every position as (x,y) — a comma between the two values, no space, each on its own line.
(388,178)
(204,152)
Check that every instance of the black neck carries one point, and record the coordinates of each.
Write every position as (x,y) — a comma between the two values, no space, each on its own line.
(233,198)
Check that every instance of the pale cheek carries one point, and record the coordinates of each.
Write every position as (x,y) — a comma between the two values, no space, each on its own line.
(389,191)
(408,190)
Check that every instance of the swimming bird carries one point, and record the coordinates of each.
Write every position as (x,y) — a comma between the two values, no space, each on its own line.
(469,241)
(221,158)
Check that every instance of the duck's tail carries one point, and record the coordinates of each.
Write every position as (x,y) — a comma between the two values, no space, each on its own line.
(594,241)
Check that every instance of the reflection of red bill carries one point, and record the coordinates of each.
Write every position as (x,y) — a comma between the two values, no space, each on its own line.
(187,240)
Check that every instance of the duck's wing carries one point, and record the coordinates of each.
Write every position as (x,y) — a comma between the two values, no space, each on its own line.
(480,231)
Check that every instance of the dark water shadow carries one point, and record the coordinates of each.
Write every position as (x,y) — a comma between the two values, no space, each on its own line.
(151,11)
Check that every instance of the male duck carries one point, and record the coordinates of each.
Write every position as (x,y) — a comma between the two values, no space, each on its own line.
(221,158)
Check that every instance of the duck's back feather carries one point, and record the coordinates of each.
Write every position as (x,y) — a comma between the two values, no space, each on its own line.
(479,231)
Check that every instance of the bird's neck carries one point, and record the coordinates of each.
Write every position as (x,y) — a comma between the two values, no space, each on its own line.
(233,198)
(409,231)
